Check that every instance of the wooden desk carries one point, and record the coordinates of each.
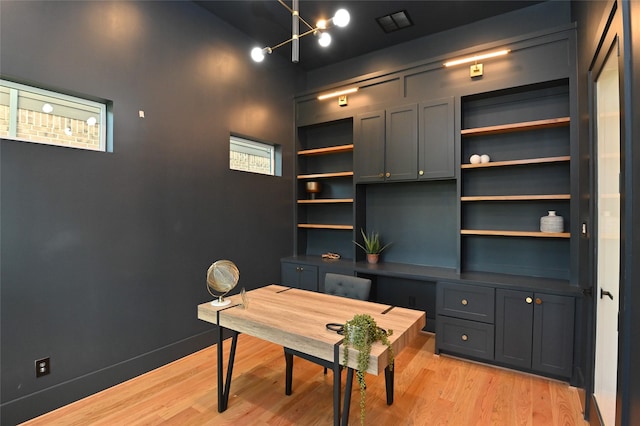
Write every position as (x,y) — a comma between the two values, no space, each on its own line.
(297,319)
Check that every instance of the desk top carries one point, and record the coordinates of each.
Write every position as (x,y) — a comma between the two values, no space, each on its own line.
(297,319)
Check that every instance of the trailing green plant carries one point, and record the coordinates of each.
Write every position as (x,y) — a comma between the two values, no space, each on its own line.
(360,333)
(372,244)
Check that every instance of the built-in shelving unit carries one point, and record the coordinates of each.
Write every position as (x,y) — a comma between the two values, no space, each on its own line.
(325,221)
(525,132)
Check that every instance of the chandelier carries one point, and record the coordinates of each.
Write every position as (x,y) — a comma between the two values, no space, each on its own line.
(340,19)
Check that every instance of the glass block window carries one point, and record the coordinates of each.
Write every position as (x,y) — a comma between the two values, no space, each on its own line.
(251,156)
(31,114)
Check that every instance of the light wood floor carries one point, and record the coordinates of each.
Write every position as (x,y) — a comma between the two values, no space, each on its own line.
(429,390)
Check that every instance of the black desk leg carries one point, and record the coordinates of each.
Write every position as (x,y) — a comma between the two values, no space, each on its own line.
(347,397)
(223,389)
(388,380)
(337,379)
(288,359)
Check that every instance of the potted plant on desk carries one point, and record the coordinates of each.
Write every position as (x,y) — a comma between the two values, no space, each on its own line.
(360,333)
(372,245)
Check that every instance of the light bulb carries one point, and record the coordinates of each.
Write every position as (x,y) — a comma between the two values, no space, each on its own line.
(257,54)
(322,24)
(324,40)
(91,121)
(341,18)
(47,108)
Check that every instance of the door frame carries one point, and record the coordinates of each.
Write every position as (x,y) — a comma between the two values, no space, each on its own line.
(611,37)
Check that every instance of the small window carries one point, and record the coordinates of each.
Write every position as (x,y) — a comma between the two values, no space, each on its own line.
(36,115)
(251,156)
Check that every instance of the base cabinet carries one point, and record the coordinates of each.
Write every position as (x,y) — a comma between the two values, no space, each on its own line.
(527,330)
(308,272)
(535,331)
(299,276)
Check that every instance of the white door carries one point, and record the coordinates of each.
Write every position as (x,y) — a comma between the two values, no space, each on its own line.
(608,237)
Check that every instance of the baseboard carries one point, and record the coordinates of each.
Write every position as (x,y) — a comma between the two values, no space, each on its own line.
(594,414)
(38,403)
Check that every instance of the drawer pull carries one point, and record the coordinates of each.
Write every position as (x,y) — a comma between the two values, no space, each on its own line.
(388,174)
(464,302)
(529,300)
(538,301)
(464,337)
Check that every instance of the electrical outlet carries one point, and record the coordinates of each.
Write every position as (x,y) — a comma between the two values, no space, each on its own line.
(43,367)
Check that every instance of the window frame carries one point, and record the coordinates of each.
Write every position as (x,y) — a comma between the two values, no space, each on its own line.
(249,144)
(66,100)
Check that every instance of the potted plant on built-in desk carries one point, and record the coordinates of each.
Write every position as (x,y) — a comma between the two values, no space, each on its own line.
(360,333)
(371,245)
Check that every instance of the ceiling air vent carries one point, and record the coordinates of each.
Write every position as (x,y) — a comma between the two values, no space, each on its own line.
(394,21)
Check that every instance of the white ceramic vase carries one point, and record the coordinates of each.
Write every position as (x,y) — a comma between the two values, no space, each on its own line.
(551,223)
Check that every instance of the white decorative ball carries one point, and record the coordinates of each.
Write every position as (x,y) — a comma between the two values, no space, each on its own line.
(474,159)
(484,158)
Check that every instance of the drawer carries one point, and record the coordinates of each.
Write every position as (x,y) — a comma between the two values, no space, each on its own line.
(466,301)
(465,337)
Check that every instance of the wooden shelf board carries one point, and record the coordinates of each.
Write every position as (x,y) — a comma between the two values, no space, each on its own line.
(517,127)
(326,201)
(525,161)
(516,197)
(536,234)
(327,150)
(325,175)
(324,226)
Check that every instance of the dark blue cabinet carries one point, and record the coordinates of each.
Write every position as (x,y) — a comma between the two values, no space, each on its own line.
(535,331)
(524,329)
(299,275)
(436,142)
(406,143)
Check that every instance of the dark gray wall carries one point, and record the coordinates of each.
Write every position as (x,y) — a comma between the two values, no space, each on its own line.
(104,255)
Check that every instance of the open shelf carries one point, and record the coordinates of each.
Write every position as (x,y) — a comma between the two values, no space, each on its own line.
(326,201)
(542,160)
(326,175)
(327,150)
(517,127)
(517,197)
(324,226)
(499,233)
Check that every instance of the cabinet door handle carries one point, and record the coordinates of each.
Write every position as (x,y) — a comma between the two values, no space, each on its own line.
(388,174)
(464,337)
(421,172)
(538,301)
(529,300)
(464,302)
(380,175)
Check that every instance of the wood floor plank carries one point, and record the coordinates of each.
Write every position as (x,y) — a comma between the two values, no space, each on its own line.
(429,390)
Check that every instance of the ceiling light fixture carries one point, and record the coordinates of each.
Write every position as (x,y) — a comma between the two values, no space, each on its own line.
(340,19)
(338,93)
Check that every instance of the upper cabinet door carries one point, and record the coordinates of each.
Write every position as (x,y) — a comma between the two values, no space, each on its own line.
(369,147)
(436,151)
(401,143)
